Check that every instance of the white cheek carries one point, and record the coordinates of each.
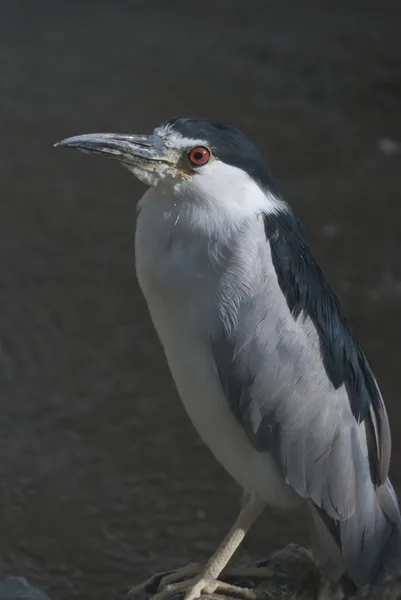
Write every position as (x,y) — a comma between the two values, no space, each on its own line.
(227,193)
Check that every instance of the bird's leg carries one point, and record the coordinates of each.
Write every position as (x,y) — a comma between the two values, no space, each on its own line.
(206,581)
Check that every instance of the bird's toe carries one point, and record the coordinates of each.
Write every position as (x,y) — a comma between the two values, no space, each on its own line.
(181,574)
(190,582)
(201,585)
(150,586)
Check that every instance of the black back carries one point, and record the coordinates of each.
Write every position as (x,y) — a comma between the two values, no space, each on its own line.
(307,291)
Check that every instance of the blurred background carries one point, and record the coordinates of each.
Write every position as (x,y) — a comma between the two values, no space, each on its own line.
(102,478)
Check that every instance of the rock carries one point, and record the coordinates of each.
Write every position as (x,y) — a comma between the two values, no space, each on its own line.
(18,588)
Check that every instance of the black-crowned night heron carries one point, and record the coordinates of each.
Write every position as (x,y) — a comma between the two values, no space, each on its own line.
(264,359)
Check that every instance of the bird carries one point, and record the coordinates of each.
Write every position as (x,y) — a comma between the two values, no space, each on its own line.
(265,361)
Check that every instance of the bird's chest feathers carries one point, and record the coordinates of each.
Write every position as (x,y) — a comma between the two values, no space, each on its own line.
(178,269)
(199,267)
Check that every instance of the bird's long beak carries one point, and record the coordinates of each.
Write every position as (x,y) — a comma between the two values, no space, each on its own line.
(144,151)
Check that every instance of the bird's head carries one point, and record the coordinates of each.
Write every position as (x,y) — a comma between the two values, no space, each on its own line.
(182,150)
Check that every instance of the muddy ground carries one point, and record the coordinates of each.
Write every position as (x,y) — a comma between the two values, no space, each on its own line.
(102,478)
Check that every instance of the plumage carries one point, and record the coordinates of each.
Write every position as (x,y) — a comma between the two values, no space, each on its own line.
(271,368)
(307,291)
(266,364)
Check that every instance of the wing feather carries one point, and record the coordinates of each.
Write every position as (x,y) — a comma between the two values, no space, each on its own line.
(308,413)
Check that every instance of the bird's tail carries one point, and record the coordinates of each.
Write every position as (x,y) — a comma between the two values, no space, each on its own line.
(367,546)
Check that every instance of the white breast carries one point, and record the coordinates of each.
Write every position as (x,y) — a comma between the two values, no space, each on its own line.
(179,280)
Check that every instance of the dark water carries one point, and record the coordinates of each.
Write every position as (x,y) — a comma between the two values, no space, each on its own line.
(102,478)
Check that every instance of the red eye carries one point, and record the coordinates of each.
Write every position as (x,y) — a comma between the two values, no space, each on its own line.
(199,155)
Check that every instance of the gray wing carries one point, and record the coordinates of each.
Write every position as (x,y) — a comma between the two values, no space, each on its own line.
(298,382)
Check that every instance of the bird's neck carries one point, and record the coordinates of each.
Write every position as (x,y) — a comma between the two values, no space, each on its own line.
(193,210)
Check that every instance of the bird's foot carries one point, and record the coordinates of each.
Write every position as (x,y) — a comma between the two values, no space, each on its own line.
(192,582)
(192,589)
(160,581)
